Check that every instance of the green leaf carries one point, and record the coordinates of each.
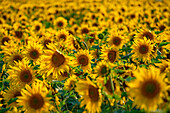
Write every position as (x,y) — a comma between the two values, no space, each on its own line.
(12,100)
(3,110)
(163,44)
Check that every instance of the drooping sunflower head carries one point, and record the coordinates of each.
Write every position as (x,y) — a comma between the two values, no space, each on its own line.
(91,95)
(70,82)
(22,73)
(142,49)
(83,59)
(34,98)
(148,88)
(146,33)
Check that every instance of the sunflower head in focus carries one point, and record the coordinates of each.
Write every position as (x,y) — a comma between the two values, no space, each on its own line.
(91,95)
(34,98)
(83,59)
(62,35)
(55,62)
(147,88)
(142,49)
(22,73)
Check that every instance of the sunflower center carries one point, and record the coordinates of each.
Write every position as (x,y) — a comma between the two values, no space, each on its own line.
(34,54)
(93,93)
(5,39)
(58,59)
(112,56)
(36,101)
(83,60)
(150,88)
(63,37)
(26,76)
(17,58)
(84,31)
(18,93)
(148,35)
(143,49)
(116,41)
(46,42)
(60,24)
(18,34)
(37,28)
(104,70)
(162,27)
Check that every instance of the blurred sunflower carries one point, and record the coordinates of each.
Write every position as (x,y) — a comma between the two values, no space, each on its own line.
(147,88)
(142,49)
(22,73)
(109,54)
(91,95)
(60,22)
(34,98)
(55,62)
(12,92)
(62,35)
(83,59)
(70,83)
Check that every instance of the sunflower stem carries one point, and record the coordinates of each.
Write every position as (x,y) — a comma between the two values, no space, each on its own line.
(111,109)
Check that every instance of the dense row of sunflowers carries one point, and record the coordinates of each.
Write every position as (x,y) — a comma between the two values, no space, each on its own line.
(84,56)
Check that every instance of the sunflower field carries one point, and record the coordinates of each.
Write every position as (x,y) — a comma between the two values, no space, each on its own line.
(84,56)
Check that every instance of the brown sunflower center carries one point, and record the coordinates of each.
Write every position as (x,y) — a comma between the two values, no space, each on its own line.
(148,35)
(19,34)
(5,39)
(26,76)
(18,93)
(46,42)
(103,70)
(84,31)
(60,24)
(150,88)
(36,101)
(37,28)
(63,37)
(83,60)
(116,41)
(64,74)
(17,58)
(112,56)
(109,86)
(143,49)
(93,93)
(162,27)
(34,54)
(58,59)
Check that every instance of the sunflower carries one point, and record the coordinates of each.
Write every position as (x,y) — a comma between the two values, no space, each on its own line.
(12,92)
(12,54)
(22,73)
(83,59)
(146,33)
(70,82)
(5,39)
(147,88)
(72,43)
(91,95)
(116,40)
(37,26)
(62,35)
(55,62)
(101,69)
(142,49)
(34,98)
(109,54)
(60,22)
(33,51)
